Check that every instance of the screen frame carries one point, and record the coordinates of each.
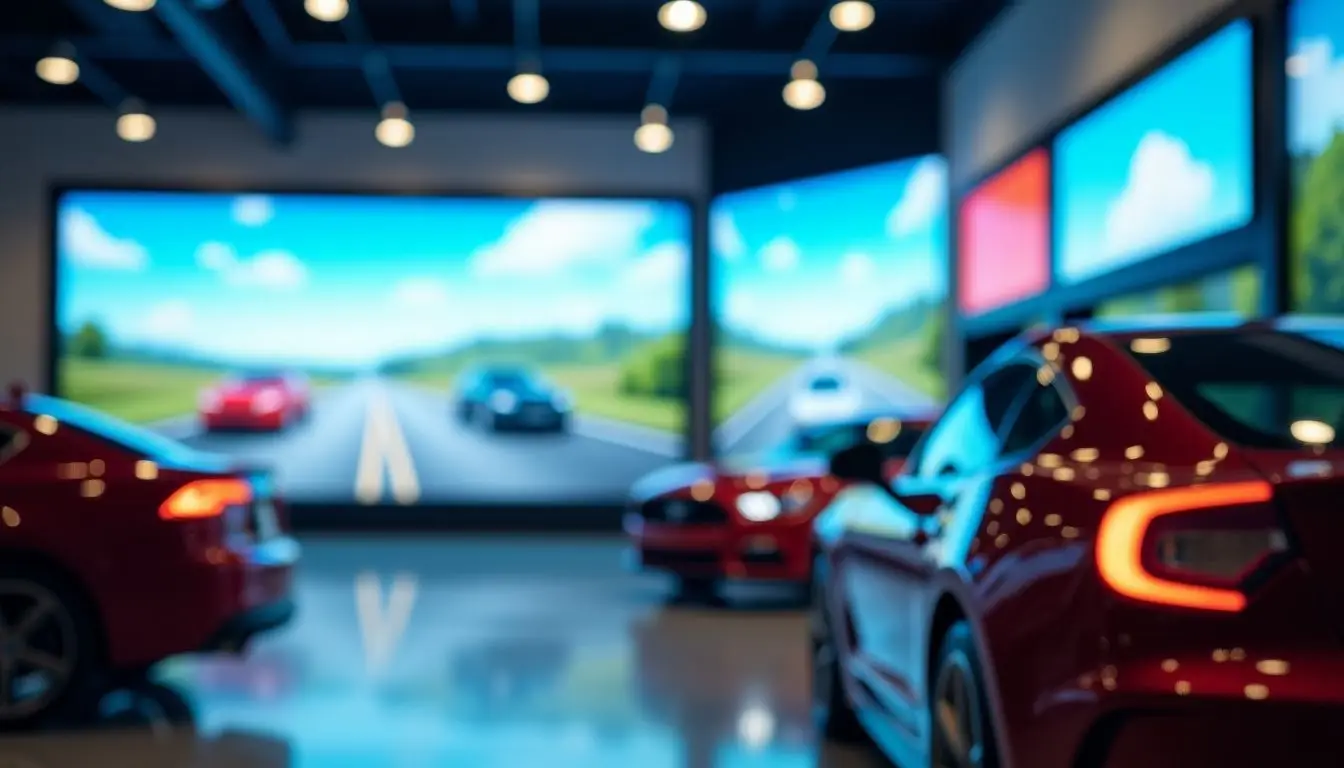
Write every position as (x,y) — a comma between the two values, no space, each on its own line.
(351,516)
(1251,243)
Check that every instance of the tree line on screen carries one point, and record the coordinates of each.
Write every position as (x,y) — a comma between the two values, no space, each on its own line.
(1317,230)
(651,365)
(924,319)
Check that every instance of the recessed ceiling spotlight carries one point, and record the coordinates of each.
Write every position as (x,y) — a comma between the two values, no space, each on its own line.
(135,124)
(395,130)
(58,70)
(134,6)
(804,94)
(327,10)
(852,15)
(653,138)
(529,88)
(682,15)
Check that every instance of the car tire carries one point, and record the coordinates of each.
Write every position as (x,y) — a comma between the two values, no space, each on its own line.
(562,425)
(66,632)
(962,732)
(832,711)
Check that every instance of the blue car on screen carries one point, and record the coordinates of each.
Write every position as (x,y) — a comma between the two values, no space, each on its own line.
(506,397)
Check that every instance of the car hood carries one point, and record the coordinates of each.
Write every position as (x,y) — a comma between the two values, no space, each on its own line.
(677,477)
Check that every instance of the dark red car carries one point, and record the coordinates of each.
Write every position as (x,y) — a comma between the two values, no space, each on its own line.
(119,548)
(751,518)
(264,400)
(1119,546)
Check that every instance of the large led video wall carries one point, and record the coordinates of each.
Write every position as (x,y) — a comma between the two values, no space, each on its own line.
(1165,164)
(829,296)
(1003,237)
(1316,143)
(386,349)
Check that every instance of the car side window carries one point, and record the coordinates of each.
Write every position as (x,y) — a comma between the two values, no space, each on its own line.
(1043,411)
(11,442)
(967,437)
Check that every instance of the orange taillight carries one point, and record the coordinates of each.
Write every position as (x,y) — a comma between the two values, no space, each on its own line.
(206,498)
(1122,538)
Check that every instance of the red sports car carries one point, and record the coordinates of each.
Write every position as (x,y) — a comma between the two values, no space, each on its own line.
(751,518)
(119,548)
(1118,546)
(268,400)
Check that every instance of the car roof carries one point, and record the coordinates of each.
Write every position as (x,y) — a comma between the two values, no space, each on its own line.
(1190,323)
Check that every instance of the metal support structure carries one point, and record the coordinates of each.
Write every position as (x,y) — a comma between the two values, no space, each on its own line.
(237,77)
(663,85)
(527,33)
(101,84)
(377,69)
(821,38)
(467,12)
(269,25)
(467,58)
(110,22)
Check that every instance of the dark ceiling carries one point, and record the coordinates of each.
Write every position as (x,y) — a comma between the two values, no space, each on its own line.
(267,58)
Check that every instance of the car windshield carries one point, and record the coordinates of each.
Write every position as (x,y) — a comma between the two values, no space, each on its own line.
(514,381)
(825,384)
(136,439)
(829,439)
(1262,389)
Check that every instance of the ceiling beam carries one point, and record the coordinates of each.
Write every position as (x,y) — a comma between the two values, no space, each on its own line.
(821,38)
(239,78)
(527,33)
(106,20)
(663,84)
(466,12)
(318,56)
(377,71)
(269,25)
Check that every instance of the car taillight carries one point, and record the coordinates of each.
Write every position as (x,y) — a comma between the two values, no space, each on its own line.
(1190,547)
(206,498)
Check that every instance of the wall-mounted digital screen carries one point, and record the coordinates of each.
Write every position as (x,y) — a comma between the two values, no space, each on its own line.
(1003,237)
(1236,291)
(385,349)
(1165,164)
(829,296)
(1316,143)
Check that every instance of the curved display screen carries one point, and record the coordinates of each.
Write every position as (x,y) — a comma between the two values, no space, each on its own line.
(385,349)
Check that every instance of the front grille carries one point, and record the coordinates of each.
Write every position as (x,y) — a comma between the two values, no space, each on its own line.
(682,512)
(681,559)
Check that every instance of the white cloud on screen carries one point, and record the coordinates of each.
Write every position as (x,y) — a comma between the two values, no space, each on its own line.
(663,267)
(169,321)
(557,235)
(1168,194)
(922,200)
(421,293)
(1316,94)
(857,268)
(252,210)
(780,254)
(787,200)
(276,270)
(88,245)
(725,237)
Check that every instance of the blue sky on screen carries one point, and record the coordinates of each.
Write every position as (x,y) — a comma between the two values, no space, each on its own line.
(351,280)
(1316,69)
(814,261)
(1164,164)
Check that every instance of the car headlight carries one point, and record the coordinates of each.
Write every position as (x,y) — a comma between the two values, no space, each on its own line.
(266,401)
(758,506)
(503,402)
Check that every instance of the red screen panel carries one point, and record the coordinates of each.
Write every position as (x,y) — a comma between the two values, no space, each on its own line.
(1004,237)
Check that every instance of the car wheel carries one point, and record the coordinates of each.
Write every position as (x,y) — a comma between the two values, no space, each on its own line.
(562,424)
(962,735)
(50,654)
(831,709)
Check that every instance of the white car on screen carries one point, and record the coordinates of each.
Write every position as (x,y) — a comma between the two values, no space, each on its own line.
(824,397)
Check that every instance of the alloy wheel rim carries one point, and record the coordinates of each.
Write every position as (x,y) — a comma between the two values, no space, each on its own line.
(958,741)
(38,651)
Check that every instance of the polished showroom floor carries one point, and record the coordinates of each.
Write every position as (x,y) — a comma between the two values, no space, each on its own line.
(482,653)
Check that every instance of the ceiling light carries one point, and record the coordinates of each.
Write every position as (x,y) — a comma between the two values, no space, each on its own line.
(327,10)
(394,130)
(135,6)
(653,138)
(804,94)
(653,113)
(529,88)
(803,69)
(852,15)
(135,124)
(58,70)
(682,15)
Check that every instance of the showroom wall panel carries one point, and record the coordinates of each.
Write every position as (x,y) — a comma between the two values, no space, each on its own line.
(998,98)
(536,155)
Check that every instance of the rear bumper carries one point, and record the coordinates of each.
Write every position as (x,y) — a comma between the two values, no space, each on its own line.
(778,550)
(243,420)
(535,420)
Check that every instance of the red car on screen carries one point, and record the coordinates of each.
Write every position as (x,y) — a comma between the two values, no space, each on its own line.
(263,399)
(751,518)
(120,547)
(1118,547)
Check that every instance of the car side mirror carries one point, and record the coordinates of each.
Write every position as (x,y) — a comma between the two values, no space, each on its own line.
(861,463)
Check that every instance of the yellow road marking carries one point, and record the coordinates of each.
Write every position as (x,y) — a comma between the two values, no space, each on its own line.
(384,454)
(382,625)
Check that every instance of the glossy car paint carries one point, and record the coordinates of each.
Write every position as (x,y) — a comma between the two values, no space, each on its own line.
(267,404)
(725,544)
(1076,674)
(89,507)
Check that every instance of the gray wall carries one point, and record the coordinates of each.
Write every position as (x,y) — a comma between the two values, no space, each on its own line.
(1043,60)
(535,155)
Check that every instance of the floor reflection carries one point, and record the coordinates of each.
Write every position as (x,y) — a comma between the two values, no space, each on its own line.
(486,653)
